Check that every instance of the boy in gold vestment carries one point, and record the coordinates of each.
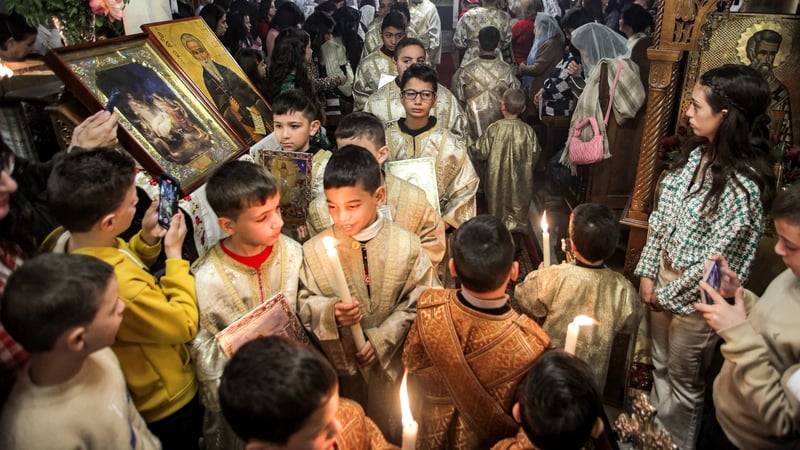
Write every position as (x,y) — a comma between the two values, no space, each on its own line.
(385,269)
(238,274)
(559,293)
(468,350)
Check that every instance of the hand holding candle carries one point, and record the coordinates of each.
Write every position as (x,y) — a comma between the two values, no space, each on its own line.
(340,286)
(409,424)
(571,343)
(545,241)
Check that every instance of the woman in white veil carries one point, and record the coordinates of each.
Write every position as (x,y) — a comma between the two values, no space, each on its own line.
(595,42)
(546,52)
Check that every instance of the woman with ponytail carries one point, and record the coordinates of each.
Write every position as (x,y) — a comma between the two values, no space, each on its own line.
(713,202)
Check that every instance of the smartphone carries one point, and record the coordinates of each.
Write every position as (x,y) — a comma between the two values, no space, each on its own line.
(714,278)
(169,193)
(113,99)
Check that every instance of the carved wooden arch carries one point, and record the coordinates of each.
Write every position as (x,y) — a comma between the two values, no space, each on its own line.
(680,26)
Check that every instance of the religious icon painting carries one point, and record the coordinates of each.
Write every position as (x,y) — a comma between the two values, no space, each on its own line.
(162,123)
(292,170)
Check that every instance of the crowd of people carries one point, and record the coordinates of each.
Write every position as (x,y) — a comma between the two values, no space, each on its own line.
(276,338)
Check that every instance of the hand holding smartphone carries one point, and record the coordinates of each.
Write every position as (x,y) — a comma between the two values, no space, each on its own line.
(169,193)
(713,277)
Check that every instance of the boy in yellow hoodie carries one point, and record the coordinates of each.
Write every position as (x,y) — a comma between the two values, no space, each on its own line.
(92,194)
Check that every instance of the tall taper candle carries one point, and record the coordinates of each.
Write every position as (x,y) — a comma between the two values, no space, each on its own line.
(546,247)
(340,285)
(410,426)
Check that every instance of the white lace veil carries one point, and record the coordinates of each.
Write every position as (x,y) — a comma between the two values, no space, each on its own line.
(596,41)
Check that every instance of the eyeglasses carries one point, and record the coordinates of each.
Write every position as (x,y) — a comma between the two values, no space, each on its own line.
(410,94)
(388,35)
(7,163)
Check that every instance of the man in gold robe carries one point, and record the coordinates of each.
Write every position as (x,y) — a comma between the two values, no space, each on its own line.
(386,104)
(561,292)
(385,269)
(476,19)
(479,84)
(378,64)
(406,204)
(468,350)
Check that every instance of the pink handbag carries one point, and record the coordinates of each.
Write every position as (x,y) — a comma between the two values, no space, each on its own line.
(589,152)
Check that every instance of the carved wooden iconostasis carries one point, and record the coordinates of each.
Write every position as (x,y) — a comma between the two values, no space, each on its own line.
(691,37)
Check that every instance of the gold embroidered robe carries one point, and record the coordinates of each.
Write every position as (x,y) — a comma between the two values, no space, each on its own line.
(409,208)
(427,27)
(399,270)
(386,104)
(471,23)
(518,442)
(358,431)
(479,86)
(227,290)
(559,293)
(368,75)
(498,350)
(456,179)
(512,149)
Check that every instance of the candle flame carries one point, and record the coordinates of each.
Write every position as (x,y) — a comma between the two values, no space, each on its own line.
(330,245)
(405,408)
(6,71)
(584,320)
(544,222)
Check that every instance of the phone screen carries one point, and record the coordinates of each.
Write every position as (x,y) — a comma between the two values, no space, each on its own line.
(714,278)
(168,200)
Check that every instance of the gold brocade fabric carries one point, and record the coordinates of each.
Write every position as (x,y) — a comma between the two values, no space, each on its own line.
(409,208)
(399,271)
(479,86)
(456,179)
(227,290)
(358,432)
(471,23)
(386,104)
(518,442)
(559,293)
(368,75)
(512,149)
(499,350)
(426,26)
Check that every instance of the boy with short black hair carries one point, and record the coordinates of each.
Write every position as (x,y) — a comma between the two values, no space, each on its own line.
(67,323)
(253,264)
(94,196)
(378,64)
(386,270)
(560,292)
(292,400)
(420,135)
(468,350)
(406,204)
(511,148)
(558,405)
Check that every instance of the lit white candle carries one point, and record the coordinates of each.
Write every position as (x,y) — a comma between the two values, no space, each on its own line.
(340,286)
(571,343)
(410,426)
(5,71)
(545,241)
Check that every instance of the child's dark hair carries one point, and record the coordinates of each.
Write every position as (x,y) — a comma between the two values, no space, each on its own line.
(295,101)
(88,185)
(249,59)
(212,14)
(317,25)
(488,38)
(352,166)
(272,386)
(14,26)
(287,15)
(483,253)
(237,185)
(422,72)
(407,42)
(594,231)
(288,57)
(787,205)
(362,124)
(559,402)
(637,18)
(37,313)
(402,8)
(394,19)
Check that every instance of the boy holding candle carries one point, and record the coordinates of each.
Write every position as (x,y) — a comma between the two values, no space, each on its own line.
(238,274)
(385,270)
(468,350)
(561,292)
(407,204)
(291,401)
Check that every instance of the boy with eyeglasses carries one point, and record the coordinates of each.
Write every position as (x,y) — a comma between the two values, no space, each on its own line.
(419,135)
(379,63)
